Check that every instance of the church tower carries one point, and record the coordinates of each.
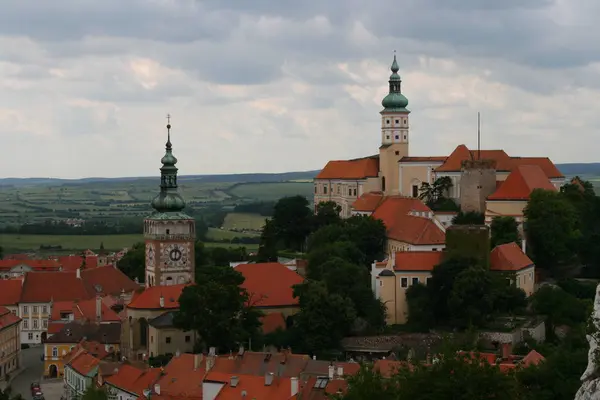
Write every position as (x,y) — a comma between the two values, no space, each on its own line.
(169,233)
(394,133)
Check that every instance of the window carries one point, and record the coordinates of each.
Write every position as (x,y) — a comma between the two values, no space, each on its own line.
(387,121)
(168,231)
(35,309)
(151,339)
(54,352)
(315,190)
(35,323)
(415,281)
(404,137)
(428,281)
(45,309)
(355,192)
(168,339)
(387,137)
(44,323)
(349,192)
(404,282)
(397,137)
(434,249)
(397,152)
(397,121)
(25,311)
(188,339)
(25,324)
(404,121)
(325,189)
(380,283)
(383,183)
(14,312)
(415,191)
(30,336)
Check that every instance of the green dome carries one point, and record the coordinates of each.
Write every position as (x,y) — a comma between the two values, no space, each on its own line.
(168,159)
(168,202)
(394,101)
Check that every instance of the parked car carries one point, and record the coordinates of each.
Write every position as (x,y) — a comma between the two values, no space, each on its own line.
(35,388)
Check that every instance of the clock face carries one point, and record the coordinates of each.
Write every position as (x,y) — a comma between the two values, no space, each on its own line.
(149,254)
(175,255)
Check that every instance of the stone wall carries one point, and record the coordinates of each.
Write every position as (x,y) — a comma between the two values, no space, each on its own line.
(477,182)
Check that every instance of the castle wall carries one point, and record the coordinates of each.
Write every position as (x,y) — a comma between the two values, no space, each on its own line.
(477,182)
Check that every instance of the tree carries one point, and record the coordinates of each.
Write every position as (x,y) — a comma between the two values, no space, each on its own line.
(369,235)
(324,318)
(327,213)
(1,252)
(319,256)
(435,194)
(468,218)
(94,393)
(218,309)
(552,229)
(369,383)
(133,262)
(504,229)
(560,307)
(471,300)
(293,221)
(267,249)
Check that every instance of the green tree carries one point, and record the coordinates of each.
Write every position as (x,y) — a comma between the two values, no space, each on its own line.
(471,300)
(94,393)
(468,218)
(133,263)
(327,213)
(552,229)
(504,229)
(324,318)
(318,256)
(435,194)
(560,307)
(267,249)
(218,309)
(1,252)
(293,221)
(369,383)
(369,235)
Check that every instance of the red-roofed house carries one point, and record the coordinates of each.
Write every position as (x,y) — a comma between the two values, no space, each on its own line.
(10,293)
(390,280)
(79,374)
(12,268)
(10,343)
(223,386)
(133,383)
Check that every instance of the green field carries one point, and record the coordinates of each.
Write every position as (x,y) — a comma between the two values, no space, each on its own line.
(21,243)
(242,221)
(224,234)
(272,191)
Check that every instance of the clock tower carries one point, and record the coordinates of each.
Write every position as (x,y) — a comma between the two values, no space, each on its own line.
(169,233)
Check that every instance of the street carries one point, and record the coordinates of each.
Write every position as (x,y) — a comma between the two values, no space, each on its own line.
(33,369)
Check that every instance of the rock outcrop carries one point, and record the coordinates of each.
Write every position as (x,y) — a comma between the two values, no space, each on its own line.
(590,380)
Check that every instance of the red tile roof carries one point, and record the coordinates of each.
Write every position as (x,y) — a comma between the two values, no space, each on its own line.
(7,318)
(107,280)
(394,212)
(417,260)
(368,202)
(149,298)
(58,286)
(521,182)
(71,263)
(35,265)
(272,322)
(181,379)
(253,386)
(256,363)
(308,391)
(543,162)
(10,291)
(84,363)
(509,257)
(350,169)
(388,368)
(134,380)
(270,284)
(454,161)
(424,159)
(83,310)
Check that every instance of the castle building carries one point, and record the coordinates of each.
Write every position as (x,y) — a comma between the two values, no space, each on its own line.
(487,181)
(169,233)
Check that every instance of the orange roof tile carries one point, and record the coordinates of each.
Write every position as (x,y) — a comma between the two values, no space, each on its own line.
(82,310)
(134,380)
(361,168)
(454,161)
(270,284)
(72,262)
(388,367)
(7,318)
(253,386)
(85,364)
(368,202)
(521,182)
(543,162)
(417,260)
(308,391)
(256,363)
(532,358)
(509,257)
(394,212)
(57,286)
(107,280)
(35,265)
(424,159)
(10,291)
(149,299)
(181,379)
(272,322)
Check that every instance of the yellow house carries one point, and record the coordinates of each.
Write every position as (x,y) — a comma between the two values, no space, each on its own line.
(105,340)
(391,279)
(10,343)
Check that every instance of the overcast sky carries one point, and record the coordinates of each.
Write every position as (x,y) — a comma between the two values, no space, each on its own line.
(269,86)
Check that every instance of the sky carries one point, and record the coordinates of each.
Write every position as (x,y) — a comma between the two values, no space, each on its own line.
(274,86)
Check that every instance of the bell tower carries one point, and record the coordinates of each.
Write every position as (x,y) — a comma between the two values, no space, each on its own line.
(170,234)
(394,133)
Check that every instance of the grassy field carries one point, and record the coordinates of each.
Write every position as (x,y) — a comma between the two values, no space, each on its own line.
(223,234)
(242,221)
(22,243)
(272,191)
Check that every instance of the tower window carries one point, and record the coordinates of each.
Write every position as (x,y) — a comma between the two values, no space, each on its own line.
(397,137)
(404,137)
(397,121)
(387,121)
(397,153)
(404,121)
(168,231)
(387,137)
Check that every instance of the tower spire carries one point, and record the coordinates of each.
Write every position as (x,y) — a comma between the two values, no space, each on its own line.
(395,100)
(168,131)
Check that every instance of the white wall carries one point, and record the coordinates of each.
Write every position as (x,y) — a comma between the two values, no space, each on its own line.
(210,390)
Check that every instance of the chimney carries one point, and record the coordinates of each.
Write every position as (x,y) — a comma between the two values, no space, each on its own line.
(268,379)
(157,388)
(234,381)
(161,301)
(524,246)
(294,385)
(210,361)
(78,272)
(331,371)
(197,361)
(340,371)
(506,350)
(98,308)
